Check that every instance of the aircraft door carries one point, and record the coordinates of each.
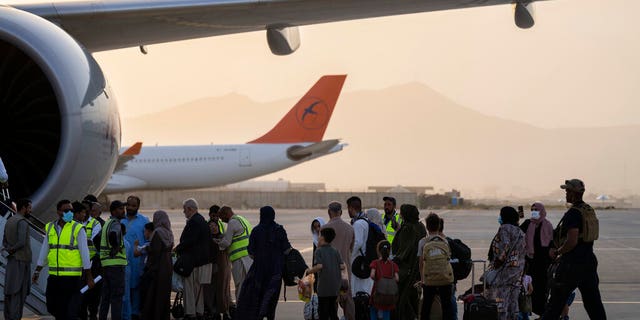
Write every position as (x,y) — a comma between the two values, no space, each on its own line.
(245,157)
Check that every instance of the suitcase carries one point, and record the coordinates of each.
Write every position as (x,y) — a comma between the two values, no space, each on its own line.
(476,305)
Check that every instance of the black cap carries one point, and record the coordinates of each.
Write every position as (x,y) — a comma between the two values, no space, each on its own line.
(90,198)
(116,204)
(392,199)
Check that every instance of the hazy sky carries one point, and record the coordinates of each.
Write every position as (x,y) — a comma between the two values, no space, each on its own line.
(578,66)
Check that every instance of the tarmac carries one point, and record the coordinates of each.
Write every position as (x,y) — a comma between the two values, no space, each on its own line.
(617,251)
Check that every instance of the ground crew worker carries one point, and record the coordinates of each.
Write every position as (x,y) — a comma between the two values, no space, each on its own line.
(237,240)
(17,244)
(577,265)
(113,259)
(91,298)
(65,251)
(391,217)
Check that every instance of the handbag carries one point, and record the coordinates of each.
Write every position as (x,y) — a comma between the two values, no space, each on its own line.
(360,268)
(177,309)
(524,301)
(490,277)
(184,265)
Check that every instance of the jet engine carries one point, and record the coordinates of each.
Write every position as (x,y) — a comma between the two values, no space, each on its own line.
(59,123)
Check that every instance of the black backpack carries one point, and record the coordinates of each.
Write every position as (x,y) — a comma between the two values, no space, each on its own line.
(294,266)
(461,259)
(374,236)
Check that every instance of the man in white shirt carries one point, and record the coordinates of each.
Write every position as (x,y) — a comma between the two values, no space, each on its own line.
(361,232)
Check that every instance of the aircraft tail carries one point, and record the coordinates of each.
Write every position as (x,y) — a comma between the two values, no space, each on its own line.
(308,119)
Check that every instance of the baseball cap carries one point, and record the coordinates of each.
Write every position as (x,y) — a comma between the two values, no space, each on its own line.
(573,185)
(115,205)
(392,199)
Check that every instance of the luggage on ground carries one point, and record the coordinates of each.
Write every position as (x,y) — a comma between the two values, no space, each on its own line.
(477,306)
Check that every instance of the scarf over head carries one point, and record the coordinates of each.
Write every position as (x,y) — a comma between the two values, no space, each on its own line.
(376,217)
(162,228)
(314,234)
(546,229)
(267,215)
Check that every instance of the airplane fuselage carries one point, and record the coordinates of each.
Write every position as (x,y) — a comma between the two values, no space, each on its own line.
(190,167)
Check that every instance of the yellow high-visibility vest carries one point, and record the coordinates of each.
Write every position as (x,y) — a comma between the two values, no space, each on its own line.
(220,226)
(64,254)
(240,243)
(391,232)
(91,223)
(120,259)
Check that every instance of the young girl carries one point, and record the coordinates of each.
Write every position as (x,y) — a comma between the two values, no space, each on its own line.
(379,268)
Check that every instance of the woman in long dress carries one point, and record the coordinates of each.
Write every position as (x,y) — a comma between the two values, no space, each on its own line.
(506,255)
(268,244)
(158,269)
(405,251)
(538,235)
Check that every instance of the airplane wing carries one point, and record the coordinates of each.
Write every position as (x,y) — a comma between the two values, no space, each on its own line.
(127,155)
(105,25)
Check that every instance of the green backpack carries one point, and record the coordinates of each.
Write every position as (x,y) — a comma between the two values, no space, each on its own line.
(437,269)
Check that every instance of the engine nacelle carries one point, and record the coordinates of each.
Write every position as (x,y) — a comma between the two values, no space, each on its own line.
(59,123)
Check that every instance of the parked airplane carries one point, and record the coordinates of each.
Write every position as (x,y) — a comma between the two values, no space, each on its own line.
(295,139)
(61,127)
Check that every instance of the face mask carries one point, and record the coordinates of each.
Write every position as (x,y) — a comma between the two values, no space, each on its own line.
(535,215)
(67,216)
(500,220)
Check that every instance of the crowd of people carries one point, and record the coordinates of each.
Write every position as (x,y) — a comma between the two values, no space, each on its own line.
(126,262)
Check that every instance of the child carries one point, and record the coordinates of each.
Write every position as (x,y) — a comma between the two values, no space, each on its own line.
(379,268)
(139,250)
(328,266)
(528,288)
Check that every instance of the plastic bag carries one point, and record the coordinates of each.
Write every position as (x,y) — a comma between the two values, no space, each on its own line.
(311,308)
(305,288)
(177,281)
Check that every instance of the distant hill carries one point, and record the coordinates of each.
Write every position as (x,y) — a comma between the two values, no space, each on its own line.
(412,135)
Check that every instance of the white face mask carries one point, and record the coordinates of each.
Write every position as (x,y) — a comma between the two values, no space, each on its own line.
(535,215)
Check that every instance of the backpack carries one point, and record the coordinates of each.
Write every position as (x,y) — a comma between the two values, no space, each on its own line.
(374,236)
(294,266)
(386,293)
(437,269)
(590,224)
(460,259)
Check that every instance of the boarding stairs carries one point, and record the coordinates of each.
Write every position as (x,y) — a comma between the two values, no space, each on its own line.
(36,300)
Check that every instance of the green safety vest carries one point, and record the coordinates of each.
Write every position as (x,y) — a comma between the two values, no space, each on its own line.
(240,242)
(120,259)
(91,223)
(391,232)
(64,254)
(220,226)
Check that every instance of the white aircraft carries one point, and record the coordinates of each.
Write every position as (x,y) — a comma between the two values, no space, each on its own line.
(295,139)
(60,121)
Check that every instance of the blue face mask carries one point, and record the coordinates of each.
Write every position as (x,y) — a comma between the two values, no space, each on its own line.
(67,216)
(500,220)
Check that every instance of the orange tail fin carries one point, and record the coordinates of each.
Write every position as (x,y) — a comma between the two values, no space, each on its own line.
(308,119)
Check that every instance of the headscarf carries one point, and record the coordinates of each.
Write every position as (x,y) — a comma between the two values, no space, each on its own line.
(267,216)
(162,228)
(509,215)
(314,234)
(411,231)
(546,229)
(376,217)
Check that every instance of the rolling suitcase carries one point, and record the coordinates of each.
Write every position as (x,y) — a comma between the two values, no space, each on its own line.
(476,305)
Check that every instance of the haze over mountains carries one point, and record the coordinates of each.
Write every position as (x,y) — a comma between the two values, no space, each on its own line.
(412,135)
